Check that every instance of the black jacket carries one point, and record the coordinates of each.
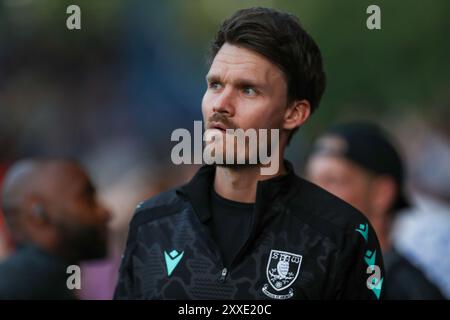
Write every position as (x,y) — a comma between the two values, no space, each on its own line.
(407,282)
(304,244)
(32,273)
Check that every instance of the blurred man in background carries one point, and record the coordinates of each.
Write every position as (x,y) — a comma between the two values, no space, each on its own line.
(358,163)
(51,209)
(422,233)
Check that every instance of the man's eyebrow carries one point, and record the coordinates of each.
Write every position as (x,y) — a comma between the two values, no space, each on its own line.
(242,82)
(212,78)
(247,83)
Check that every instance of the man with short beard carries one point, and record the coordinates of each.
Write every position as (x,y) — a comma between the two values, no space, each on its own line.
(55,220)
(233,232)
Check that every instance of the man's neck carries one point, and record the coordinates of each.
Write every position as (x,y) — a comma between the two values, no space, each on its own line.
(239,183)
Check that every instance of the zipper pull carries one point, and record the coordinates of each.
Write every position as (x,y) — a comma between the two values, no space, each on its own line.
(223,275)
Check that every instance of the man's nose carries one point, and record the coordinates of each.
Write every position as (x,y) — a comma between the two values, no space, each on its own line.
(224,102)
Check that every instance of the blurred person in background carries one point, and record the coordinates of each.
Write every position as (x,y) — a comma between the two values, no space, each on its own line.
(358,163)
(423,231)
(55,220)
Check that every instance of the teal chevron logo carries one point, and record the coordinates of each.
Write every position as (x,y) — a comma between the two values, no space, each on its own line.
(172,260)
(375,282)
(364,230)
(370,257)
(376,287)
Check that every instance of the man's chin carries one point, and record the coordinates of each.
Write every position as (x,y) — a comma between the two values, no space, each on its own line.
(98,254)
(87,244)
(236,166)
(97,251)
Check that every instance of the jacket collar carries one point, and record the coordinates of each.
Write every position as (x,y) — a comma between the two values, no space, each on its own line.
(198,189)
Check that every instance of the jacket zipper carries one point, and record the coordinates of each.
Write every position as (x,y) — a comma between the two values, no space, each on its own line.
(223,275)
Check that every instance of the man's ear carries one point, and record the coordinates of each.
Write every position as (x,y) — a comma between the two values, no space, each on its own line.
(36,212)
(296,114)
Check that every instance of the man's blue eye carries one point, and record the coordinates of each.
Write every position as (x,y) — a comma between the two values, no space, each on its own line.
(249,91)
(214,85)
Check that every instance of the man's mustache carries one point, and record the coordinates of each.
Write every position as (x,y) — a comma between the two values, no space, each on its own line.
(222,119)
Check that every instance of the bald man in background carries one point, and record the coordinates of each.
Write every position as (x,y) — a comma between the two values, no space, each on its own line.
(55,220)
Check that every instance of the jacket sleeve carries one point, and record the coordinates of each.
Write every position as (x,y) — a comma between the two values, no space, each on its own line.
(127,286)
(360,265)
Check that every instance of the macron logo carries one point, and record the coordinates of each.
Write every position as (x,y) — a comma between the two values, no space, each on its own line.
(172,260)
(364,230)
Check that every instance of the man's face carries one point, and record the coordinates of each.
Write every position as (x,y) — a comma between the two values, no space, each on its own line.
(244,90)
(81,220)
(342,178)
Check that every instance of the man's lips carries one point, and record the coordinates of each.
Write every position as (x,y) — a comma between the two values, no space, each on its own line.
(217,125)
